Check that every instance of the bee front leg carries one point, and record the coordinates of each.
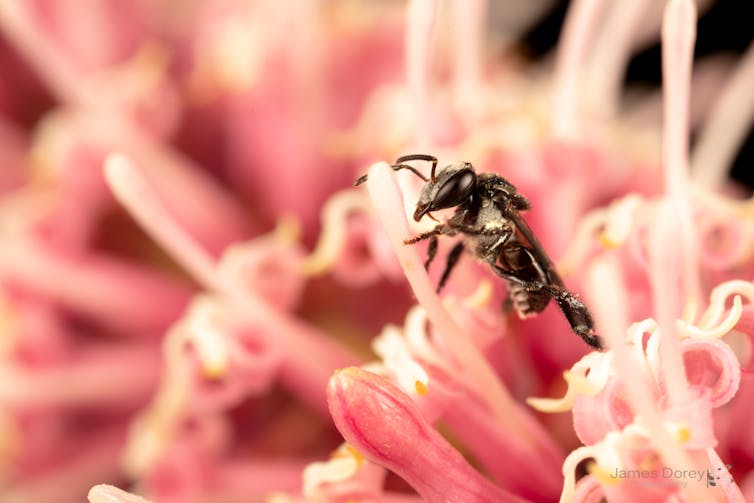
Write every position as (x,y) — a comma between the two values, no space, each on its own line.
(440,229)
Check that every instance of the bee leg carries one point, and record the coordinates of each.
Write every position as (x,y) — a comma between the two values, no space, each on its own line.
(522,294)
(440,229)
(452,261)
(573,309)
(577,315)
(431,252)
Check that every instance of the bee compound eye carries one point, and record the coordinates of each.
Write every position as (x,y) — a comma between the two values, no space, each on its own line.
(455,190)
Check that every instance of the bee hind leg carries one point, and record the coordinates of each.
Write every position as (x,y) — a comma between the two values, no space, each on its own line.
(573,309)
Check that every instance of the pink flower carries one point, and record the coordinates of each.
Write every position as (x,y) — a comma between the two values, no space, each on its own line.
(387,427)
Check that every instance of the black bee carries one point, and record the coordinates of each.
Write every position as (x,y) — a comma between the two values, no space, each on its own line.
(487,215)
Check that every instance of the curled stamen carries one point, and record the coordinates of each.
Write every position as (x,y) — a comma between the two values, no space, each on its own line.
(629,367)
(104,493)
(238,358)
(390,346)
(415,329)
(588,377)
(348,244)
(620,218)
(718,299)
(343,465)
(577,384)
(333,235)
(569,471)
(613,227)
(714,331)
(588,490)
(208,341)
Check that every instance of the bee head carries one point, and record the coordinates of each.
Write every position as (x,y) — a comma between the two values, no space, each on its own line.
(454,185)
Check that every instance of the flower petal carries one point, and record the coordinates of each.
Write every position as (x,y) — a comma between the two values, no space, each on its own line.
(382,423)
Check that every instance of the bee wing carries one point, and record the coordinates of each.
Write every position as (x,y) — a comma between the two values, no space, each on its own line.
(535,246)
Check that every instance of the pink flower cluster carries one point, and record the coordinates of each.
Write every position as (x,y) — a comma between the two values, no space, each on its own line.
(197,306)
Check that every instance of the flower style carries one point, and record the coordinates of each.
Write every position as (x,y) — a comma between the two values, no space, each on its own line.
(196,305)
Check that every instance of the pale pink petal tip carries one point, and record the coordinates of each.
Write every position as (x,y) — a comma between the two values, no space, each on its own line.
(384,425)
(104,493)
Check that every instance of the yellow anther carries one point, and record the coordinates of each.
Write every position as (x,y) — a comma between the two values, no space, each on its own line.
(577,384)
(606,242)
(602,475)
(356,455)
(421,388)
(682,433)
(288,228)
(214,371)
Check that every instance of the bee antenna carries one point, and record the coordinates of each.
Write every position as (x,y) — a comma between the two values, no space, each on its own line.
(418,157)
(398,167)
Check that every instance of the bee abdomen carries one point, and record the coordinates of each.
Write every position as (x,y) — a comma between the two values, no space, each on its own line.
(527,302)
